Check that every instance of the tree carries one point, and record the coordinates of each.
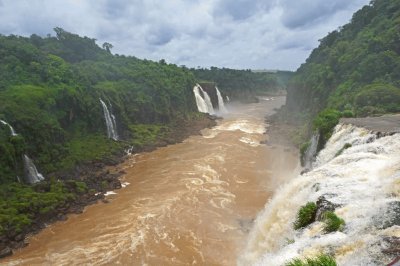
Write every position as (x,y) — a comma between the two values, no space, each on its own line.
(107,46)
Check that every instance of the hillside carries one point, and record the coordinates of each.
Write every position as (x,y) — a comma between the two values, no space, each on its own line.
(55,94)
(244,85)
(355,71)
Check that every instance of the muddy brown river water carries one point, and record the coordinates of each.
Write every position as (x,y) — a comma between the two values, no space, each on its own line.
(191,203)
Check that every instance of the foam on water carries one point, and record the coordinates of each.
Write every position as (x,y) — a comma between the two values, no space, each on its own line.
(360,180)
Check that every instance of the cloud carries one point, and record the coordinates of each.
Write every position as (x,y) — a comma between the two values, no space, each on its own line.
(241,9)
(224,33)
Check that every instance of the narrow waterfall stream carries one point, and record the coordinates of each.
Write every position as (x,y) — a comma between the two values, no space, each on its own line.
(191,203)
(110,122)
(32,175)
(12,131)
(203,100)
(221,103)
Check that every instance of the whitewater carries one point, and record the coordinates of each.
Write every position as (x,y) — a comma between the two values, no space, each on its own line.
(362,180)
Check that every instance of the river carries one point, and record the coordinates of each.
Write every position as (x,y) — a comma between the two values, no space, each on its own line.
(191,203)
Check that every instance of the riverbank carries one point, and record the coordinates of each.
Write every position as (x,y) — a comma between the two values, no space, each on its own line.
(87,183)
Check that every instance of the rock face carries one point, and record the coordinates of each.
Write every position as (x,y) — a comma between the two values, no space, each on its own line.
(387,124)
(324,205)
(209,87)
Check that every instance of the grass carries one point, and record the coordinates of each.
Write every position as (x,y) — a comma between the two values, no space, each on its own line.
(306,215)
(332,222)
(321,260)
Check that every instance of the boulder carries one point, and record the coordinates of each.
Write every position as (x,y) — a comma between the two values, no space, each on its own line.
(324,205)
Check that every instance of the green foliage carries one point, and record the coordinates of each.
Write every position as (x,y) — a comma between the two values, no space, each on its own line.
(81,187)
(325,122)
(20,203)
(347,113)
(321,260)
(355,69)
(146,134)
(50,89)
(306,215)
(377,99)
(332,222)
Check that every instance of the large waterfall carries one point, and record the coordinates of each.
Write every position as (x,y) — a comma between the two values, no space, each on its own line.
(31,173)
(358,172)
(11,128)
(110,122)
(204,104)
(221,104)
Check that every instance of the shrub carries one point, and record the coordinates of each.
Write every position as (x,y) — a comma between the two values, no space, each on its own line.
(325,122)
(377,98)
(321,260)
(306,215)
(332,222)
(347,113)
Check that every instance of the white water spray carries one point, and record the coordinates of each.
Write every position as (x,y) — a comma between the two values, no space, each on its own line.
(13,133)
(221,104)
(31,173)
(204,105)
(311,151)
(362,180)
(110,122)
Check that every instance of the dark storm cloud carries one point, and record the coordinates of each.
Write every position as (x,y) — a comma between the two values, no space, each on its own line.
(228,33)
(305,12)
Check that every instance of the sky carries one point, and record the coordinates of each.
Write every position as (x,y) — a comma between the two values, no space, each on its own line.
(241,34)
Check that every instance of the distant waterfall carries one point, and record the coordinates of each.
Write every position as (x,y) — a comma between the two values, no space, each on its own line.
(11,128)
(204,105)
(31,173)
(362,182)
(227,98)
(311,151)
(110,122)
(221,104)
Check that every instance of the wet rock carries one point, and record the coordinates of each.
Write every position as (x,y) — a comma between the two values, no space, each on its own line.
(324,205)
(4,252)
(316,187)
(389,217)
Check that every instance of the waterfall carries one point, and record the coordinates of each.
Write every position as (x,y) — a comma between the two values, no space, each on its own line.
(204,104)
(11,128)
(362,181)
(221,104)
(227,99)
(110,122)
(311,151)
(31,173)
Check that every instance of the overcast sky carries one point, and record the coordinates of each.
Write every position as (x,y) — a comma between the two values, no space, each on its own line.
(256,34)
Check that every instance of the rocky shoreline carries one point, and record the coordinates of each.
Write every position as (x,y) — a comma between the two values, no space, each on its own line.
(98,181)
